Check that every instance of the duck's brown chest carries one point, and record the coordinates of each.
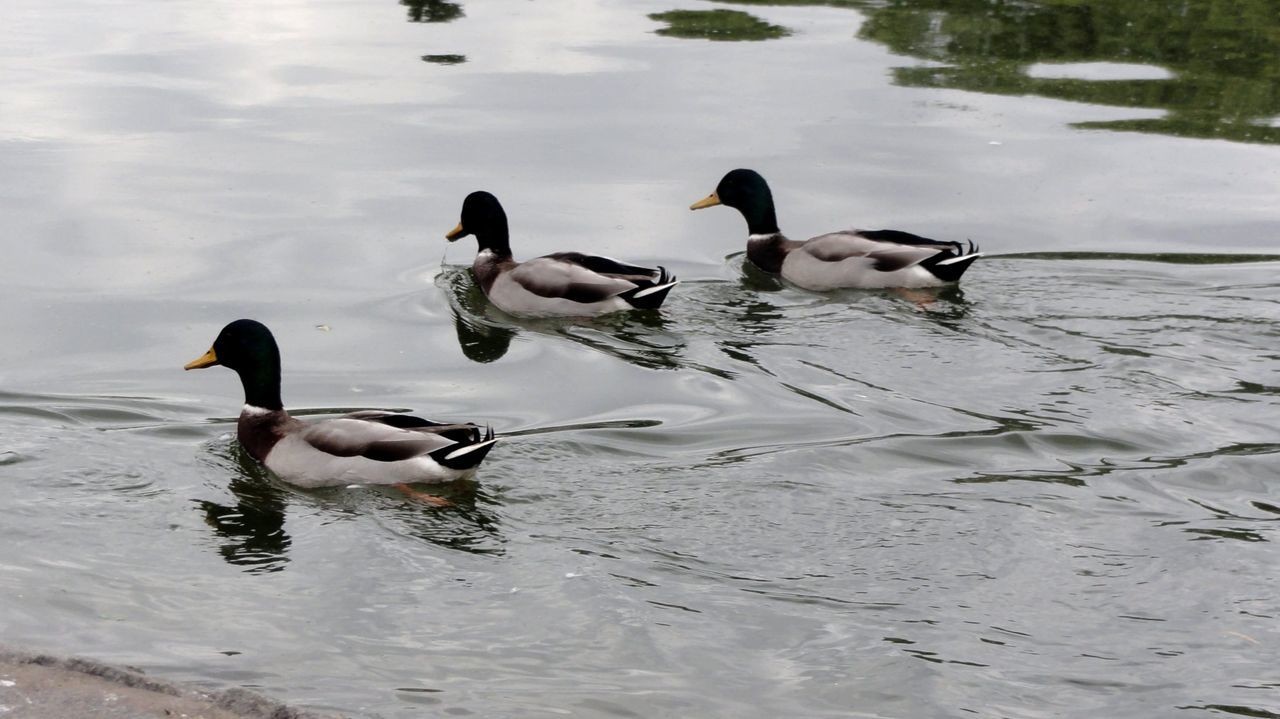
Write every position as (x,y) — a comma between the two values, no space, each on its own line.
(488,266)
(258,430)
(767,252)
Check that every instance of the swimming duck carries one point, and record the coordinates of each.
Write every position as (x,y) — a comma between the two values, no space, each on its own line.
(367,447)
(849,258)
(565,284)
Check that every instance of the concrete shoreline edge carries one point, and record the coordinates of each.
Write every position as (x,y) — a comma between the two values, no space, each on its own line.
(40,685)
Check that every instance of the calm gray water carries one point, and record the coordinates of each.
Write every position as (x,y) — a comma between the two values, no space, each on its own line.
(1050,492)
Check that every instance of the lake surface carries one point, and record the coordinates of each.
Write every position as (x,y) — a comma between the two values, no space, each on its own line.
(1050,491)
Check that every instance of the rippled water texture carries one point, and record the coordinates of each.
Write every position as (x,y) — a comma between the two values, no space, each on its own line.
(1050,491)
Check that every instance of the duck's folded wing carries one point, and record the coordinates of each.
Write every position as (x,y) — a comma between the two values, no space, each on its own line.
(348,437)
(455,431)
(898,237)
(877,246)
(608,266)
(553,276)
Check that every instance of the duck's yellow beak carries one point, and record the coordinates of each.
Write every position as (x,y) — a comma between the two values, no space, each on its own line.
(455,233)
(208,359)
(709,201)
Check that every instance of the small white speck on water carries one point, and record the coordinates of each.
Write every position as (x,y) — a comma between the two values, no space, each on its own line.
(996,143)
(7,683)
(571,575)
(324,328)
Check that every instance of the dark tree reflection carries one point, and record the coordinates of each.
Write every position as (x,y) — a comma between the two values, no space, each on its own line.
(1222,57)
(432,10)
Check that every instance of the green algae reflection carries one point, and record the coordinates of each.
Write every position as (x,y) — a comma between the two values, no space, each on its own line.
(717,25)
(1218,60)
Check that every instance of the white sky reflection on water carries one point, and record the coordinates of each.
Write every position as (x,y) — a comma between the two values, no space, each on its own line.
(1099,71)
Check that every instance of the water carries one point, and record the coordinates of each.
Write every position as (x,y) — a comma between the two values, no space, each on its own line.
(1048,492)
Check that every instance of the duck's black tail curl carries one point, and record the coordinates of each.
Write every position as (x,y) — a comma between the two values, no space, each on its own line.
(650,295)
(466,455)
(949,266)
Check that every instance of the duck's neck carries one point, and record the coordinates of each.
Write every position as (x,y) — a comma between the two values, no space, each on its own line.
(760,216)
(495,237)
(262,385)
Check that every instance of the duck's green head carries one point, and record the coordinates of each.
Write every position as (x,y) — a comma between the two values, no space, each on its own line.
(249,348)
(748,193)
(483,216)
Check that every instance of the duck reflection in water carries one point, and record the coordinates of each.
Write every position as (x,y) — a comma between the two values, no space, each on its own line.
(741,315)
(252,528)
(252,532)
(485,333)
(754,311)
(470,523)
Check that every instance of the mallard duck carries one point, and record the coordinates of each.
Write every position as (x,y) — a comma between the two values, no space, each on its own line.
(367,447)
(566,284)
(849,258)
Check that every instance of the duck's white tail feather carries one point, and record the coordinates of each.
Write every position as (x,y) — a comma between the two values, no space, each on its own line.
(656,288)
(463,451)
(961,258)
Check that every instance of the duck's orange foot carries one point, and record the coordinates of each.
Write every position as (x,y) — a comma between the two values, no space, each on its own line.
(921,298)
(431,499)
